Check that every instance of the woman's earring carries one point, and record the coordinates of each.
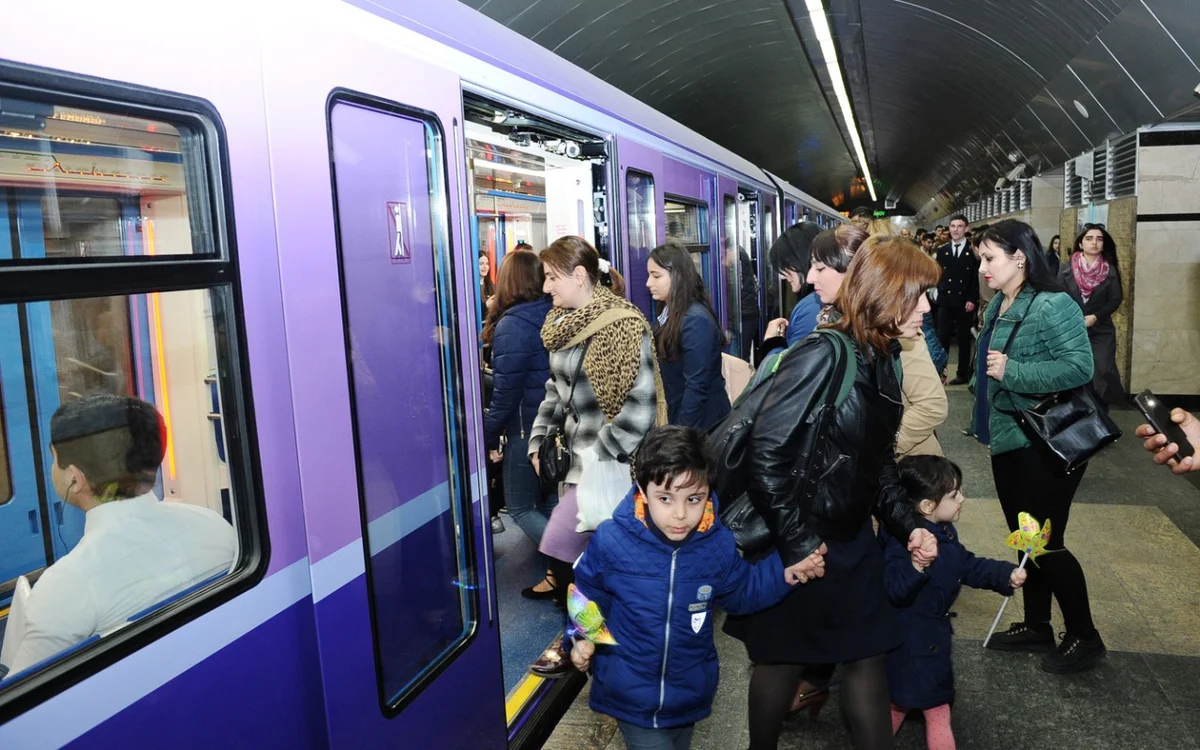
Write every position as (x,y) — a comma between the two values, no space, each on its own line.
(1020,265)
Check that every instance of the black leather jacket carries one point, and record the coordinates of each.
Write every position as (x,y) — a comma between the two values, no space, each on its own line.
(854,466)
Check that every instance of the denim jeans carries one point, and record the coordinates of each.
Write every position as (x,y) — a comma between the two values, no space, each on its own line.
(527,506)
(643,738)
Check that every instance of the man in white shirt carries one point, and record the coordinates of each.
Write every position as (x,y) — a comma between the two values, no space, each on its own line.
(136,550)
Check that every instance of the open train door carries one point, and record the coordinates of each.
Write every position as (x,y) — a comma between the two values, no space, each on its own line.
(366,153)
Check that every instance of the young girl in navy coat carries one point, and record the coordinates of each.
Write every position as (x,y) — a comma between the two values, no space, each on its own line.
(920,676)
(657,570)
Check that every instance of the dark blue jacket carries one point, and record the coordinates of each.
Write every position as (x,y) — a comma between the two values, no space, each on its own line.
(919,672)
(695,387)
(803,319)
(522,367)
(658,601)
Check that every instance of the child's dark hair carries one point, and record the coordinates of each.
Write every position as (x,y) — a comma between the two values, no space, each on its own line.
(670,452)
(929,477)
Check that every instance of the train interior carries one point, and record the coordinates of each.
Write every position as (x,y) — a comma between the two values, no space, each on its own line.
(81,184)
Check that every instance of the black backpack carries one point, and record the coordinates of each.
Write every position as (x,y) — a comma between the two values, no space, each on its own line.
(729,439)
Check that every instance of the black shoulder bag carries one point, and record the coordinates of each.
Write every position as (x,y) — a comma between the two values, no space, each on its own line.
(1068,427)
(554,454)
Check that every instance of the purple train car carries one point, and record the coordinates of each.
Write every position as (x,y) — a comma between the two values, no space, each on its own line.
(265,220)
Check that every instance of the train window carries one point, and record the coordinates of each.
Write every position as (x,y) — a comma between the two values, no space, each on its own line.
(687,223)
(131,501)
(94,172)
(406,395)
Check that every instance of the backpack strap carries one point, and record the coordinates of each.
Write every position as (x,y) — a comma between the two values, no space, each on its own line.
(845,368)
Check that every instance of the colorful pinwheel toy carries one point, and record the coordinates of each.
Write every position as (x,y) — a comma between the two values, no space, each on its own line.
(1030,538)
(586,618)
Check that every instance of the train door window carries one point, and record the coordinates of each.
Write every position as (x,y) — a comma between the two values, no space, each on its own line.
(640,207)
(106,378)
(749,250)
(406,395)
(687,224)
(768,278)
(733,275)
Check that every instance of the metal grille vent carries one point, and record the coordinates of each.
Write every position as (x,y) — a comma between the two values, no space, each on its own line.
(1025,187)
(1097,189)
(1121,159)
(1073,187)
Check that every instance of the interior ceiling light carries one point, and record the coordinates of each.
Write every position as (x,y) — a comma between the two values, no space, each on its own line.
(816,14)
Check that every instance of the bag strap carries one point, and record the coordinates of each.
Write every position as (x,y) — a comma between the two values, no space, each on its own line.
(575,378)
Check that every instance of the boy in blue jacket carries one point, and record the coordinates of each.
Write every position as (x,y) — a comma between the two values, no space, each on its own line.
(657,569)
(920,676)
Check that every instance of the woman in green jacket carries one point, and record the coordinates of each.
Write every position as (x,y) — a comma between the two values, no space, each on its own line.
(1034,341)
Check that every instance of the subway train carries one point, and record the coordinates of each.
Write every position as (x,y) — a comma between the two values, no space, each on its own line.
(266,220)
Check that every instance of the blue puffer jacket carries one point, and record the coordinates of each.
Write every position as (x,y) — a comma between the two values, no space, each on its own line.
(694,385)
(658,601)
(919,672)
(522,367)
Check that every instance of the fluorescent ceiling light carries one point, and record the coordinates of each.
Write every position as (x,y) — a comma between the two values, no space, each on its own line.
(816,13)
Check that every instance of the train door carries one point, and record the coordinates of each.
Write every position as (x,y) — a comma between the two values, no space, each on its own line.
(362,152)
(641,171)
(731,244)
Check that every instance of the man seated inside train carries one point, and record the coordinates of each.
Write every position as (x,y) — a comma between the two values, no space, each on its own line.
(136,550)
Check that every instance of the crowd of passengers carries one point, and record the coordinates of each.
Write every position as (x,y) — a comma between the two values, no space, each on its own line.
(864,563)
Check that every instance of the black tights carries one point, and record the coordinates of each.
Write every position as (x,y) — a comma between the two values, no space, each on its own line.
(864,694)
(1025,482)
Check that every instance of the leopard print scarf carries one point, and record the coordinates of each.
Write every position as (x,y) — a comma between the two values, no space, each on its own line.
(616,327)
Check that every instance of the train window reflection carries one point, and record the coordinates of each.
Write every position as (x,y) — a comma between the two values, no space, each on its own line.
(104,184)
(121,495)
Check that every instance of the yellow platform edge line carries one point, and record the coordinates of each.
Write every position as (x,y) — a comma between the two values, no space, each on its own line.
(519,695)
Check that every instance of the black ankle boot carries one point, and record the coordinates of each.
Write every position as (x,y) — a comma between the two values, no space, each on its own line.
(1024,636)
(1074,654)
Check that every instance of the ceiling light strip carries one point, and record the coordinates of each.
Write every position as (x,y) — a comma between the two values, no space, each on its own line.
(816,14)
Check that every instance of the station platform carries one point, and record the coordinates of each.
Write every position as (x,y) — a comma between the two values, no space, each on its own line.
(1135,528)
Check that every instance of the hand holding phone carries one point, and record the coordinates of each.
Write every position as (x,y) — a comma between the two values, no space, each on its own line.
(1167,429)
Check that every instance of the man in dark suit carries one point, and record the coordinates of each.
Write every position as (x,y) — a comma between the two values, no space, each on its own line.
(957,295)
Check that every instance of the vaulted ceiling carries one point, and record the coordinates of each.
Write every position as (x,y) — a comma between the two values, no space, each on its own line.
(949,94)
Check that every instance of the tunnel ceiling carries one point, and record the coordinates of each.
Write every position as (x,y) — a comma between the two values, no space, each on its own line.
(950,94)
(732,70)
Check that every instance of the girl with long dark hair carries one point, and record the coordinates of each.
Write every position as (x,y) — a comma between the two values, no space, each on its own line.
(1093,279)
(1033,342)
(688,339)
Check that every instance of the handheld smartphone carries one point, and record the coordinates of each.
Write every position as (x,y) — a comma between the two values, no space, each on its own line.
(1159,417)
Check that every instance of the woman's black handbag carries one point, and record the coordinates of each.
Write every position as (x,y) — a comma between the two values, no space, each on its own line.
(554,454)
(1068,427)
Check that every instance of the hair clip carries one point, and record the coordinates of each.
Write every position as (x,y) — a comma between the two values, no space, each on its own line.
(605,267)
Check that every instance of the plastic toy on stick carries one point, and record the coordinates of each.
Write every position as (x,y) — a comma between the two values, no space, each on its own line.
(1030,538)
(586,618)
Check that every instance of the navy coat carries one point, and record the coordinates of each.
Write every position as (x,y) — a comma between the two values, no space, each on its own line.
(658,601)
(919,673)
(694,385)
(522,367)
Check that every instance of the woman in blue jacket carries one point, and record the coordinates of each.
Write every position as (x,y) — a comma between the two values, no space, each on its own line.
(790,257)
(521,368)
(688,339)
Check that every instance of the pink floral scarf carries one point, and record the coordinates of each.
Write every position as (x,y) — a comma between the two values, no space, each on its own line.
(1088,278)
